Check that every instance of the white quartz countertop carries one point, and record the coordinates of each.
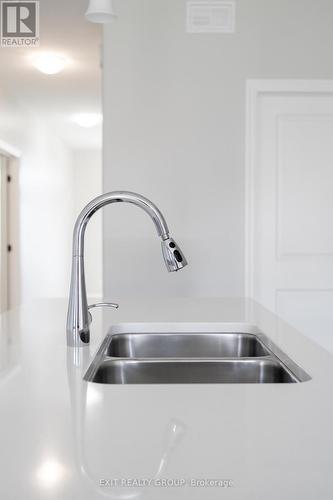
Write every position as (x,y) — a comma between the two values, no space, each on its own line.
(64,438)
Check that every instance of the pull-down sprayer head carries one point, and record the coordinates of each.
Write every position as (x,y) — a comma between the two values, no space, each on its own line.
(173,256)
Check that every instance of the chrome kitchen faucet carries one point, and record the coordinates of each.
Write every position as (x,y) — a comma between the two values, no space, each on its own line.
(79,317)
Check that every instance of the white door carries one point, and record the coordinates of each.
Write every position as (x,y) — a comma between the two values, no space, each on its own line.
(9,233)
(290,202)
(3,234)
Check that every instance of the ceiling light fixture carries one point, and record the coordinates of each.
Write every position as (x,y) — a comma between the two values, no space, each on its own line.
(100,11)
(49,63)
(87,120)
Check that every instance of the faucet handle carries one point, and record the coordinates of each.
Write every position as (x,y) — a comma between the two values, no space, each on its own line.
(101,304)
(104,304)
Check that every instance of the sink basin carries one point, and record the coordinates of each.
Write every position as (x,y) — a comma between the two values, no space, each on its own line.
(246,371)
(183,353)
(186,345)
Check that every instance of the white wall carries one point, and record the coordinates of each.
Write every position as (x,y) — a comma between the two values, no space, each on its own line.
(46,201)
(88,184)
(174,113)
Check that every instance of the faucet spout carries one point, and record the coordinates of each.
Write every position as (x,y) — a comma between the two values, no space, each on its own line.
(78,317)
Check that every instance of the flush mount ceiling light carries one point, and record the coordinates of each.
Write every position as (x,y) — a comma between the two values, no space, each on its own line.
(100,11)
(49,63)
(87,120)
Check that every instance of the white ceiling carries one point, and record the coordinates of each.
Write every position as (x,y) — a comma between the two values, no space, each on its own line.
(63,29)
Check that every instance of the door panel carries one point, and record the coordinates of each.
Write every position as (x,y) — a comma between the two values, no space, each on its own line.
(305,185)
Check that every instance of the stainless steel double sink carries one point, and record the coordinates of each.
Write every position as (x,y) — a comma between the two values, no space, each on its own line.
(192,358)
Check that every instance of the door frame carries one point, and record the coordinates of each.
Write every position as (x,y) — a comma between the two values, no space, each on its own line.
(254,90)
